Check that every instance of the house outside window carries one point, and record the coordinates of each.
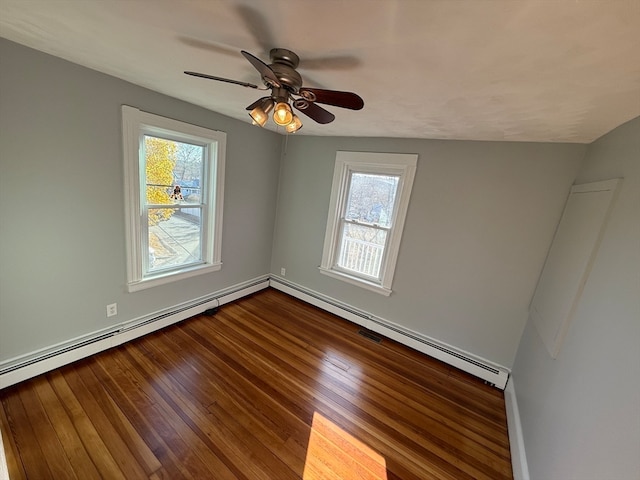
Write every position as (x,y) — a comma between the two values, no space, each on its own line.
(369,201)
(174,181)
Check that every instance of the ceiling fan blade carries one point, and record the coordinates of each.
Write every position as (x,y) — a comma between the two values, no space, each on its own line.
(317,113)
(257,25)
(332,97)
(341,62)
(220,79)
(209,45)
(263,68)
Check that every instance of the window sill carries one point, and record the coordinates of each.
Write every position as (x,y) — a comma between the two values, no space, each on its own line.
(374,287)
(170,277)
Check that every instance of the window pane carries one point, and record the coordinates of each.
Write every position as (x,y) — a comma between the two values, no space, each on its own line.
(174,171)
(371,198)
(174,237)
(361,249)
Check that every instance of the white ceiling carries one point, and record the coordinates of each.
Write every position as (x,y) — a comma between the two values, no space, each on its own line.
(521,70)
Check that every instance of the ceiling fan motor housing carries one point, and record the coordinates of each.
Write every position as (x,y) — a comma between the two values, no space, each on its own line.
(287,76)
(284,56)
(284,66)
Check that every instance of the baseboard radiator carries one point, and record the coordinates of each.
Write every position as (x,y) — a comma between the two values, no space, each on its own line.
(28,366)
(21,368)
(491,373)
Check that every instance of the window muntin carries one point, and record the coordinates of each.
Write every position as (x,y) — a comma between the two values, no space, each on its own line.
(174,177)
(369,199)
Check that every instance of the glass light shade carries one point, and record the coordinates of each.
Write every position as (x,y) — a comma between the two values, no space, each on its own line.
(294,126)
(259,116)
(283,115)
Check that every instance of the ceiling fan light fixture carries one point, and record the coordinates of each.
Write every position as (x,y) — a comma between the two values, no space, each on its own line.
(282,115)
(285,83)
(295,125)
(260,114)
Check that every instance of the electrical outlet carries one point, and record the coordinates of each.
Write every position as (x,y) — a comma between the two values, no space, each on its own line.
(283,272)
(112,310)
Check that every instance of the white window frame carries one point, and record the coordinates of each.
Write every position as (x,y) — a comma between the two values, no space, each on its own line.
(397,164)
(135,125)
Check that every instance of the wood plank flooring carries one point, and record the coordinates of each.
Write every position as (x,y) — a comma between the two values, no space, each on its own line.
(269,388)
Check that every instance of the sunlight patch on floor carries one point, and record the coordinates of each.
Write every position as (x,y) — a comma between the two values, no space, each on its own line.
(335,454)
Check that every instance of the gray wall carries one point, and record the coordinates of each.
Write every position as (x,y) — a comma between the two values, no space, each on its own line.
(480,221)
(62,246)
(580,413)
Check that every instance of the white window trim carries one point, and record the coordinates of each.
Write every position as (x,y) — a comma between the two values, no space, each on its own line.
(403,165)
(136,123)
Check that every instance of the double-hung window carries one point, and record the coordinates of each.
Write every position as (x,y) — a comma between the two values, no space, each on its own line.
(369,201)
(174,189)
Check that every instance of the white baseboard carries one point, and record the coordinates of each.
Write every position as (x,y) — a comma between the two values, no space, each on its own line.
(490,372)
(516,441)
(27,366)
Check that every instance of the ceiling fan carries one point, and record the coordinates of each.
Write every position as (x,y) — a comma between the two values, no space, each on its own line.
(285,84)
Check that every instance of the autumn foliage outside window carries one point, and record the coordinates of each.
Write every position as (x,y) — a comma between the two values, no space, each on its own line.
(160,156)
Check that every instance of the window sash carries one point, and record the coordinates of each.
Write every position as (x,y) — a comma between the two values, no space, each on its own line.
(200,258)
(370,172)
(359,257)
(369,256)
(147,269)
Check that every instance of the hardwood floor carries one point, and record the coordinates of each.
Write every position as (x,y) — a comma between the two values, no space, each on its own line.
(268,388)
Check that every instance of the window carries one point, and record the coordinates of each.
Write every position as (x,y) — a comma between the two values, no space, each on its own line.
(174,179)
(369,201)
